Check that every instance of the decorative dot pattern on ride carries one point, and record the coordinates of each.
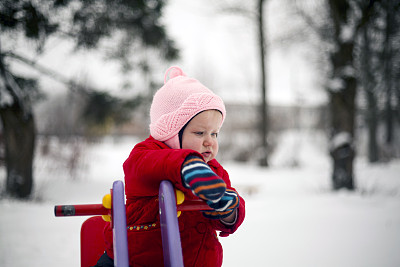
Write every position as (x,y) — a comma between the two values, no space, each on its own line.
(141,227)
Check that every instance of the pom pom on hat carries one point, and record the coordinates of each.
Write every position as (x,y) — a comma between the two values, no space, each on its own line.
(176,103)
(173,72)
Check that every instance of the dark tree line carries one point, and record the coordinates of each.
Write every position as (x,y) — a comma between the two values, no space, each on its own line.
(358,46)
(131,26)
(378,63)
(362,41)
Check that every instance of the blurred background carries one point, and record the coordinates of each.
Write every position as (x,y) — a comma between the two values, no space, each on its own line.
(305,83)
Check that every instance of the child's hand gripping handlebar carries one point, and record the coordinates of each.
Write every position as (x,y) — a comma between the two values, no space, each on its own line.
(218,210)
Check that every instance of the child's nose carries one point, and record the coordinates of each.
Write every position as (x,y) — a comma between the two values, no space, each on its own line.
(208,140)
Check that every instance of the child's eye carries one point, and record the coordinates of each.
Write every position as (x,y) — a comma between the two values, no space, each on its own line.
(215,135)
(198,133)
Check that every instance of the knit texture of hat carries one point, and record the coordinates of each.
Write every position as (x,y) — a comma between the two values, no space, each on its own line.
(176,103)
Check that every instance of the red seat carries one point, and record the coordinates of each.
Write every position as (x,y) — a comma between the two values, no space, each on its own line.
(92,241)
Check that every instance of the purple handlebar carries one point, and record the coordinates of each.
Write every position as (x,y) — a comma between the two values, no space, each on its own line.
(171,240)
(120,234)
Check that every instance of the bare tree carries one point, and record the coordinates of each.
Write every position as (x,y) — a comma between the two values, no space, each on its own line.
(18,132)
(339,32)
(369,84)
(376,58)
(257,16)
(264,125)
(342,93)
(391,9)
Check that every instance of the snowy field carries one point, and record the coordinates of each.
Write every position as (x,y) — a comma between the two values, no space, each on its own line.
(292,217)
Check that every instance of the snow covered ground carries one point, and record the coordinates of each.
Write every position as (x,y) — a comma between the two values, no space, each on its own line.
(292,217)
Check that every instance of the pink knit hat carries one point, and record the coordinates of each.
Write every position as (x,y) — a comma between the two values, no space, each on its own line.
(176,103)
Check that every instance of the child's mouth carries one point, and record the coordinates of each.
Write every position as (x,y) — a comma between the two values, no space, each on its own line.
(206,154)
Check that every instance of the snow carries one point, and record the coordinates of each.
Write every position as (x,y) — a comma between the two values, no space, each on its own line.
(347,33)
(336,85)
(341,139)
(292,216)
(6,98)
(349,71)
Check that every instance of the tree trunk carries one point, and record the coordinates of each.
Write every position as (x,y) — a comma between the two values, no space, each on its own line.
(19,136)
(372,118)
(369,87)
(263,107)
(342,99)
(342,149)
(388,54)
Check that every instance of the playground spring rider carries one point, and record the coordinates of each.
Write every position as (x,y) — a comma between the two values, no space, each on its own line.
(112,210)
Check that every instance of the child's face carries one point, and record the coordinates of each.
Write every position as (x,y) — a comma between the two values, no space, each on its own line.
(201,134)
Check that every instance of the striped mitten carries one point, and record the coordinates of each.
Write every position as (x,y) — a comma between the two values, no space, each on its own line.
(204,183)
(224,207)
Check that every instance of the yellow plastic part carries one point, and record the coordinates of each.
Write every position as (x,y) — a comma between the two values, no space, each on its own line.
(107,201)
(180,197)
(106,218)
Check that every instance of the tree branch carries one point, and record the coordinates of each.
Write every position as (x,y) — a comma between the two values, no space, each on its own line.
(72,85)
(13,88)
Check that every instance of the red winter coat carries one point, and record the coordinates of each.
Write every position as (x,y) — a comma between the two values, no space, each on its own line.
(149,163)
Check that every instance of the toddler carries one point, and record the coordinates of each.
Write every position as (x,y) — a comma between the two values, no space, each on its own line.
(185,120)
